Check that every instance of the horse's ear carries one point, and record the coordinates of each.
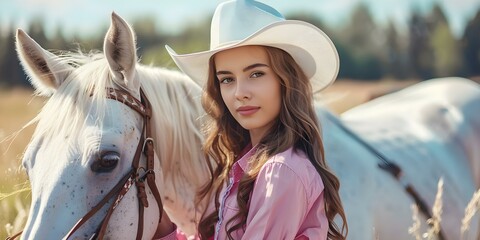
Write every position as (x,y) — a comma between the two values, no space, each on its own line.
(45,70)
(120,51)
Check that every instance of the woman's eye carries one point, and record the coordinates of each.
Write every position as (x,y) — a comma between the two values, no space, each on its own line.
(226,80)
(257,74)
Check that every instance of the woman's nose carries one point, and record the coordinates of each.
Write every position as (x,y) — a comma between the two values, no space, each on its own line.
(242,91)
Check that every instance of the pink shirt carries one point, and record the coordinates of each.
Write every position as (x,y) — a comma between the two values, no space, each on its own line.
(287,200)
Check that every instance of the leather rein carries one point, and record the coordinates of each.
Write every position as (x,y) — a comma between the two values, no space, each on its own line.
(134,176)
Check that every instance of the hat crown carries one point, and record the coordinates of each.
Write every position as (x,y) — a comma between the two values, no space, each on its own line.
(235,20)
(237,23)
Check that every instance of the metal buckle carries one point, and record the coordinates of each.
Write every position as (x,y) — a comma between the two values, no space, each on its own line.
(145,142)
(146,172)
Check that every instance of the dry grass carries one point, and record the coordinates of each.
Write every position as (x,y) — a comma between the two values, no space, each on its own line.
(345,94)
(415,229)
(17,107)
(433,224)
(470,211)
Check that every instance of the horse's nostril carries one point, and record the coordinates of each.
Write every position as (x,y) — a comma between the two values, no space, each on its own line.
(106,162)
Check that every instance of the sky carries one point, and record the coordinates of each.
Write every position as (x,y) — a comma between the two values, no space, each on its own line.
(88,16)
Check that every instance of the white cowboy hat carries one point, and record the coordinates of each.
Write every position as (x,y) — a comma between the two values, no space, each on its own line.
(248,22)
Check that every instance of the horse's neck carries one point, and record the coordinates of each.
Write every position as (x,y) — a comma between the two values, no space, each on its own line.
(330,123)
(334,138)
(177,116)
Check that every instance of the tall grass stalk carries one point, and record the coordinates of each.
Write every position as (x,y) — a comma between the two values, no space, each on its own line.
(470,211)
(414,230)
(434,222)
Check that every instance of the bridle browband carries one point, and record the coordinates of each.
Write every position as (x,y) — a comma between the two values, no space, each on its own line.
(145,146)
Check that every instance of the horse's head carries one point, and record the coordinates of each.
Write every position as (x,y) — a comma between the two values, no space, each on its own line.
(85,141)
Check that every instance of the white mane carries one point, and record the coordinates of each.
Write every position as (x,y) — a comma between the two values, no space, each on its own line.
(177,117)
(175,103)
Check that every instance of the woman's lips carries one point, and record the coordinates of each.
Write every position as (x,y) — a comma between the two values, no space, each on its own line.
(247,110)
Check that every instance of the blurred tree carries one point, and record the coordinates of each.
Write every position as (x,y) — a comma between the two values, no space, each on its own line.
(312,18)
(446,49)
(193,39)
(36,30)
(361,31)
(471,46)
(87,42)
(420,51)
(58,40)
(366,51)
(10,68)
(147,34)
(347,63)
(365,43)
(395,63)
(3,57)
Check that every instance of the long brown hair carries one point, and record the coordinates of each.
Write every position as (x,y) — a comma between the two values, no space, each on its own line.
(296,126)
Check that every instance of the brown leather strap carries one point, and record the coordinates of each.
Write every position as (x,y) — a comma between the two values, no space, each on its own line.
(96,208)
(145,145)
(112,207)
(127,99)
(150,154)
(141,210)
(14,236)
(125,181)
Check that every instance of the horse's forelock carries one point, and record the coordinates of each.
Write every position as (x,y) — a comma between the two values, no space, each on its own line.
(65,112)
(175,101)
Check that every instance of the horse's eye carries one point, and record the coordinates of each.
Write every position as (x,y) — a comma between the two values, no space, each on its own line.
(106,162)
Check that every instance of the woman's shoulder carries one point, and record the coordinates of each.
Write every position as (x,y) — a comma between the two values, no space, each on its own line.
(293,158)
(296,162)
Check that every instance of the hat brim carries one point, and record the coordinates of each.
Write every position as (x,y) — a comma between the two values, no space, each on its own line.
(310,47)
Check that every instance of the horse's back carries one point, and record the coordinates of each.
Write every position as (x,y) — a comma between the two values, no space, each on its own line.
(432,131)
(444,109)
(458,92)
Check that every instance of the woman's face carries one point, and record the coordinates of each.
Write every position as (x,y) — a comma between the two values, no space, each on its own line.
(249,87)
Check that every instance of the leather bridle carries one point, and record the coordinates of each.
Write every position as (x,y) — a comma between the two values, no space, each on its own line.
(134,176)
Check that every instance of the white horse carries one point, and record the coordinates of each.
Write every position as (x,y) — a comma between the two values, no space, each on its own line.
(430,130)
(84,144)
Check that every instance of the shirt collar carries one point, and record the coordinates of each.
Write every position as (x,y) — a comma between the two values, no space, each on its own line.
(245,155)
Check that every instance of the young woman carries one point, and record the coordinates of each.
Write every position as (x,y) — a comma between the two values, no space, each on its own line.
(270,180)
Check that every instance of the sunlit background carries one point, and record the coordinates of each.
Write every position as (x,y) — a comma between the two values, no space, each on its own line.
(378,41)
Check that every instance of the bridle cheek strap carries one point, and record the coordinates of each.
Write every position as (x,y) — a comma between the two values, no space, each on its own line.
(149,152)
(145,146)
(122,187)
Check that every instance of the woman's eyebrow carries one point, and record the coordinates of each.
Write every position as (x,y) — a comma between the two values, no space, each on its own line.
(224,72)
(255,65)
